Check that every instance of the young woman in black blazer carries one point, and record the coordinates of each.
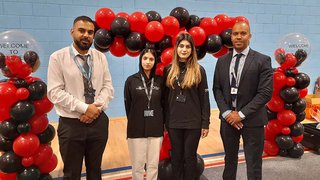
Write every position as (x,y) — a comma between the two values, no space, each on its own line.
(143,103)
(187,108)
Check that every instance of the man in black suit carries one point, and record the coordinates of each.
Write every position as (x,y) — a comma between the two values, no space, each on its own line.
(242,87)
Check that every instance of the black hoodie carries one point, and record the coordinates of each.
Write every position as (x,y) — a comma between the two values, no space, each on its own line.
(136,102)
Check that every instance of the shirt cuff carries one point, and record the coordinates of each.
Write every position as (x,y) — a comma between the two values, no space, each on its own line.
(226,113)
(82,107)
(242,116)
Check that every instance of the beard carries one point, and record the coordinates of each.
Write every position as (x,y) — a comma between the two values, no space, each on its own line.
(83,46)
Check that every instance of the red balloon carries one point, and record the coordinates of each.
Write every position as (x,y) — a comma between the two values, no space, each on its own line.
(290,81)
(118,47)
(26,144)
(240,19)
(133,54)
(271,148)
(209,25)
(123,14)
(14,63)
(31,79)
(24,70)
(222,22)
(7,99)
(274,126)
(42,106)
(286,117)
(43,154)
(170,25)
(10,176)
(224,50)
(286,130)
(268,135)
(303,92)
(297,139)
(198,35)
(38,124)
(138,22)
(280,55)
(289,62)
(159,69)
(279,80)
(166,56)
(104,18)
(22,93)
(154,31)
(27,161)
(50,165)
(276,104)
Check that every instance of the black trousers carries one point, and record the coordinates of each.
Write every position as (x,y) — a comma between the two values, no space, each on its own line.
(184,145)
(78,140)
(253,142)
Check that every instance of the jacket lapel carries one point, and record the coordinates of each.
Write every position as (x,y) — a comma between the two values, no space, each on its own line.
(247,63)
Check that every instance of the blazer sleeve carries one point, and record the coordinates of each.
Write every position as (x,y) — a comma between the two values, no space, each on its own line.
(265,88)
(127,96)
(204,100)
(218,88)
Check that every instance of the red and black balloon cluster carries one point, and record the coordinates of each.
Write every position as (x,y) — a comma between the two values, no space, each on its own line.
(25,132)
(123,34)
(286,109)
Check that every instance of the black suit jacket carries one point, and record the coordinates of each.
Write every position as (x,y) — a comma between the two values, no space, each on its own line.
(254,91)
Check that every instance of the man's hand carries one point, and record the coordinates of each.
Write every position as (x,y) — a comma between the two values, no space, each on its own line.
(234,119)
(93,111)
(85,119)
(204,133)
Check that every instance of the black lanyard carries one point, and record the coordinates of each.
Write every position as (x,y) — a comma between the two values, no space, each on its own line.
(149,94)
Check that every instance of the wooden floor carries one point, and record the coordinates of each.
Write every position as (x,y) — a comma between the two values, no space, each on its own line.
(116,153)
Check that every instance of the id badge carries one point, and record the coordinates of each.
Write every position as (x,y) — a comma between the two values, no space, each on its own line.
(181,98)
(234,91)
(148,113)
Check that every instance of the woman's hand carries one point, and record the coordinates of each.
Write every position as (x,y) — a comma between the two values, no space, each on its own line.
(204,133)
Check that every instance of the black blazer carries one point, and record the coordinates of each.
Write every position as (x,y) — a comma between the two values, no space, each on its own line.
(254,91)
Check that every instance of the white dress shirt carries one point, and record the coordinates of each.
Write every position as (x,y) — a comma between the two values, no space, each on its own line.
(65,82)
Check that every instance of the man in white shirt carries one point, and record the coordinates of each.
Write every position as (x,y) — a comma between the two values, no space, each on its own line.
(80,87)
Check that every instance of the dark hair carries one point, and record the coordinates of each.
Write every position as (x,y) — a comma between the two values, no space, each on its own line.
(83,18)
(153,52)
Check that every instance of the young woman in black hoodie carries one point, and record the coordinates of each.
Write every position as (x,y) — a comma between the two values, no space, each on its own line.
(143,103)
(187,108)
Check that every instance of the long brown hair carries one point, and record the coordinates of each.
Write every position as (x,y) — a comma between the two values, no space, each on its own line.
(193,75)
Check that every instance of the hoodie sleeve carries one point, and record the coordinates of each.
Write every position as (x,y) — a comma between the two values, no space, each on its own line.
(127,96)
(204,99)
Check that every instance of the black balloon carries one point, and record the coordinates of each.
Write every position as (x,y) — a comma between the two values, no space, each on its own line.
(2,60)
(288,106)
(10,162)
(284,142)
(31,57)
(181,14)
(134,42)
(30,173)
(289,73)
(194,20)
(5,144)
(297,129)
(22,111)
(289,94)
(103,38)
(24,127)
(45,177)
(213,43)
(299,106)
(271,115)
(120,27)
(301,116)
(150,45)
(8,130)
(201,52)
(165,43)
(103,50)
(296,151)
(165,170)
(283,152)
(226,37)
(37,90)
(19,83)
(302,80)
(153,16)
(47,135)
(301,55)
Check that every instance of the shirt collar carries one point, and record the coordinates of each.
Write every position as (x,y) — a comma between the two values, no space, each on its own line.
(244,52)
(76,53)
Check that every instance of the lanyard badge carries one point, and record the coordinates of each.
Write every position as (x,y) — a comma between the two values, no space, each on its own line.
(148,112)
